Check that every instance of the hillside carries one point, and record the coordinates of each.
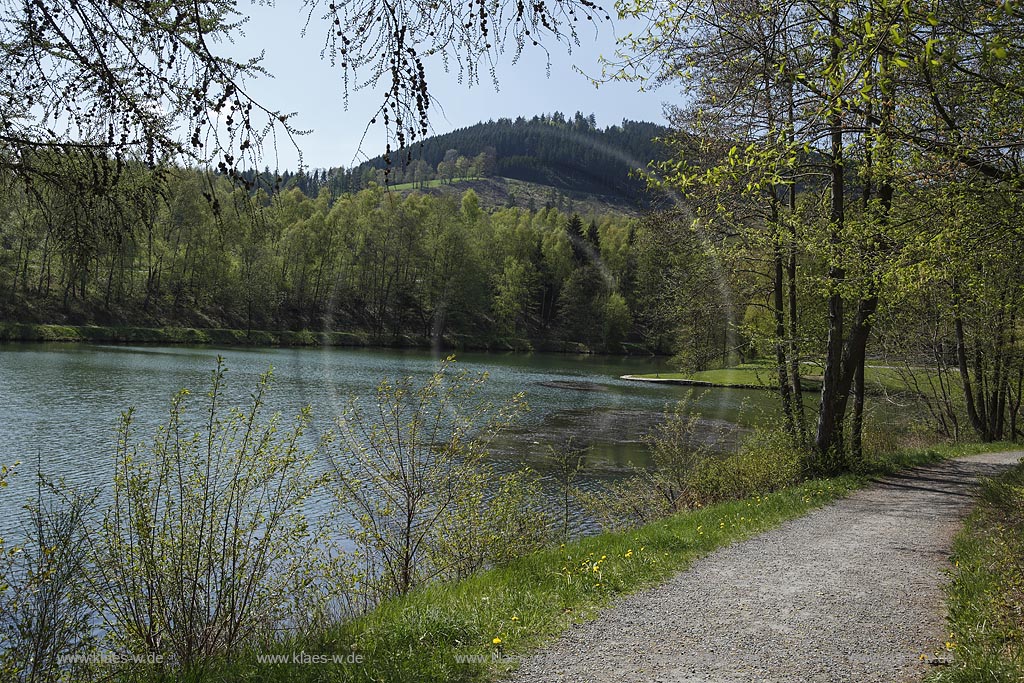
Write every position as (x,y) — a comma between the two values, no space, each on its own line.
(546,160)
(571,155)
(497,191)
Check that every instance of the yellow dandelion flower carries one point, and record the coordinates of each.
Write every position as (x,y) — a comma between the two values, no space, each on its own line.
(496,641)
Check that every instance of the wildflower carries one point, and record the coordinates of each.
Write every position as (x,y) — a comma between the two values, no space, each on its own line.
(496,641)
(515,618)
(629,553)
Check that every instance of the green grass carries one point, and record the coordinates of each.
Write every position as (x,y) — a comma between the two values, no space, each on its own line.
(35,332)
(420,637)
(756,374)
(986,594)
(764,374)
(437,182)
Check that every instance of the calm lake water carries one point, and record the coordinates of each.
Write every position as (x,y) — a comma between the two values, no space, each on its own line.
(60,403)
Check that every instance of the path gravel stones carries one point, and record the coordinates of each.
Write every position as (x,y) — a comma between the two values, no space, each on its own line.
(851,592)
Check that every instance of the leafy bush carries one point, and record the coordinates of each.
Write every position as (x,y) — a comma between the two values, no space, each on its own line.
(205,543)
(688,471)
(411,474)
(767,461)
(45,615)
(566,462)
(678,445)
(498,522)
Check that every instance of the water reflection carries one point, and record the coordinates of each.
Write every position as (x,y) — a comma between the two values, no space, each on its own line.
(61,402)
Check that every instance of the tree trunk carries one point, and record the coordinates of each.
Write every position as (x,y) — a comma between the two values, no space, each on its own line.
(778,310)
(829,433)
(965,378)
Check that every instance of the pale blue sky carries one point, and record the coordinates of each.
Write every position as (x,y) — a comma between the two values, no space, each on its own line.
(304,84)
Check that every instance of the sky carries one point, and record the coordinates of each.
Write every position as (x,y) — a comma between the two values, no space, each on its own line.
(307,85)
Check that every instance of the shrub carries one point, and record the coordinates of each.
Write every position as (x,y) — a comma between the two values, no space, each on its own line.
(44,610)
(566,462)
(766,461)
(205,543)
(411,476)
(687,471)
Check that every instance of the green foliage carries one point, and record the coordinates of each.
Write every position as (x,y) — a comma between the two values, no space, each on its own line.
(766,461)
(817,176)
(566,461)
(987,588)
(581,304)
(499,521)
(514,295)
(692,467)
(617,321)
(532,599)
(412,477)
(45,615)
(204,548)
(690,470)
(571,154)
(203,260)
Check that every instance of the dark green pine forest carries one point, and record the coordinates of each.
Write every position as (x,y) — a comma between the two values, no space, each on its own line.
(570,154)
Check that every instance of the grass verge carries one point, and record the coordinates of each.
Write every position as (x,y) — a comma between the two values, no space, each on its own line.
(472,630)
(468,631)
(986,594)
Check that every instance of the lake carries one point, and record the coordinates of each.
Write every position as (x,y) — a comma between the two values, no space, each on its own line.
(61,402)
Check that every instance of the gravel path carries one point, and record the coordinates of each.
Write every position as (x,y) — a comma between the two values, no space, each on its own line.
(851,592)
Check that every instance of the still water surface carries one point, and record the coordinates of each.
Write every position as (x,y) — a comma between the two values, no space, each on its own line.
(60,403)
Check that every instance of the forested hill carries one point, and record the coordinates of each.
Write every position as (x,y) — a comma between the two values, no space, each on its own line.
(569,154)
(565,153)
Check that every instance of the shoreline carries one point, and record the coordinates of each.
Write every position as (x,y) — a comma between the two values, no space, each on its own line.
(705,384)
(217,336)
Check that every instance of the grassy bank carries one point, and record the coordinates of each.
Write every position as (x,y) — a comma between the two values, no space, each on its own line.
(33,332)
(30,332)
(986,596)
(472,630)
(763,374)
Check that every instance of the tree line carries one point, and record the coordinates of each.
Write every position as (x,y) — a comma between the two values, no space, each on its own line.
(200,250)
